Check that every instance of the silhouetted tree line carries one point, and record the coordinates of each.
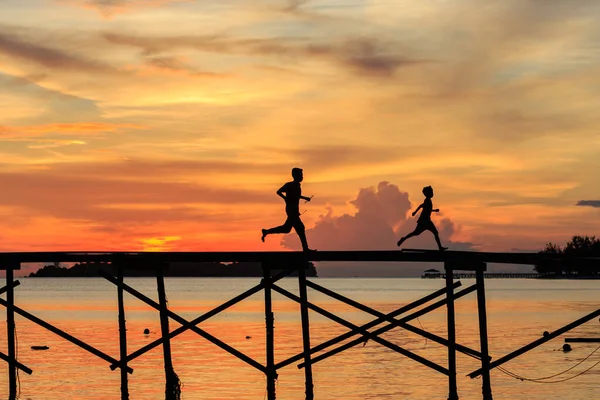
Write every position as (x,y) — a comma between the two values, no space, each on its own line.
(84,269)
(182,269)
(578,246)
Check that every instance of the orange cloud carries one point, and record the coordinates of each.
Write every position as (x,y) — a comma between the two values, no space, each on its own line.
(366,56)
(66,129)
(378,222)
(30,50)
(108,8)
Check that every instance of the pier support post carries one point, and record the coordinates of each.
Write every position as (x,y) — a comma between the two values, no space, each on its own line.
(122,332)
(486,385)
(270,327)
(10,331)
(452,387)
(305,329)
(172,384)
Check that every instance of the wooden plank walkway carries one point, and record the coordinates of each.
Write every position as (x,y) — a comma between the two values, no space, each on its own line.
(407,255)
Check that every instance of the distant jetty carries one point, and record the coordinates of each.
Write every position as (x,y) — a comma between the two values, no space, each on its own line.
(174,269)
(435,274)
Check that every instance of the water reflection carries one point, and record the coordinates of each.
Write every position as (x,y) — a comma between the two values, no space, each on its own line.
(519,312)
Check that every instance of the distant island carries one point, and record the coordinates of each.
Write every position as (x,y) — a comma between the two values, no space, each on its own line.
(175,269)
(578,246)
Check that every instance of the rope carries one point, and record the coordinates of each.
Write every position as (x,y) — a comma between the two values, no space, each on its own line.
(419,321)
(545,379)
(16,358)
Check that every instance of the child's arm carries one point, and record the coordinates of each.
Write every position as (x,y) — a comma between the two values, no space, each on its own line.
(418,208)
(436,210)
(281,191)
(306,198)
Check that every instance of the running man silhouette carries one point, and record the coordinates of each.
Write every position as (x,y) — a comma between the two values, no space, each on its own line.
(293,195)
(424,222)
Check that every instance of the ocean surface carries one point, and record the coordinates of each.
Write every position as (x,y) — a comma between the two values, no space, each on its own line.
(519,311)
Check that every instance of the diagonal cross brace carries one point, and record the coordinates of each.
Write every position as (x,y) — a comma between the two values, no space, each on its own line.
(22,367)
(204,316)
(386,328)
(538,342)
(14,284)
(185,323)
(364,332)
(401,310)
(64,335)
(463,349)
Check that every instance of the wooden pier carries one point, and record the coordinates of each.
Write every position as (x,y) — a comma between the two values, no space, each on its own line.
(493,275)
(286,264)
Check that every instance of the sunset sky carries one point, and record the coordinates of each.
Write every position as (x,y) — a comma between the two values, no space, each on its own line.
(169,125)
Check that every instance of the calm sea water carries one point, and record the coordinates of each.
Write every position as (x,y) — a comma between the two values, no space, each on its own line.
(518,312)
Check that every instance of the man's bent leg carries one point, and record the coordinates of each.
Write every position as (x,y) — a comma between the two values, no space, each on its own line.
(301,231)
(285,228)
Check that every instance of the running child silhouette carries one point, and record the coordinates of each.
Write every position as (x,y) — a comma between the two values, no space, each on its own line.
(293,195)
(424,222)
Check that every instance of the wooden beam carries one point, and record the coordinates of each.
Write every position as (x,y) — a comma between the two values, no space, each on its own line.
(287,257)
(384,329)
(22,367)
(64,335)
(270,371)
(582,340)
(364,332)
(185,324)
(451,325)
(122,334)
(538,342)
(486,383)
(308,375)
(10,331)
(391,320)
(404,309)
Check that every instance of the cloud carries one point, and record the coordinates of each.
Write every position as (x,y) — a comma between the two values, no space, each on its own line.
(47,105)
(362,55)
(379,221)
(380,217)
(589,203)
(22,133)
(169,63)
(162,170)
(294,5)
(47,56)
(108,8)
(332,156)
(48,192)
(176,65)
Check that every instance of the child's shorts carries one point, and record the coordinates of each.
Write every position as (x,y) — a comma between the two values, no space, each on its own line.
(427,225)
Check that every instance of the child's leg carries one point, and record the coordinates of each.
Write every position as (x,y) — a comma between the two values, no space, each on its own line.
(439,243)
(436,235)
(416,232)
